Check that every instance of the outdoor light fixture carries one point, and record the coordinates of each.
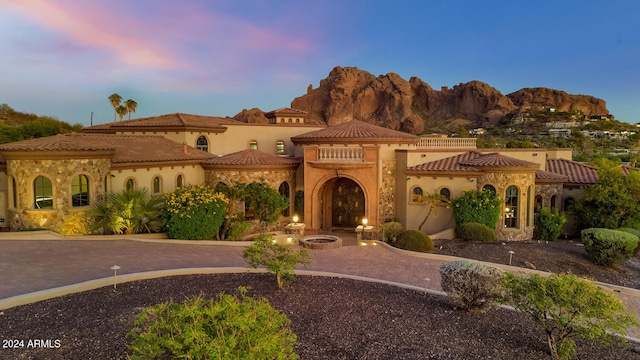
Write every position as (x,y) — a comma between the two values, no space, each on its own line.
(115,269)
(295,219)
(365,221)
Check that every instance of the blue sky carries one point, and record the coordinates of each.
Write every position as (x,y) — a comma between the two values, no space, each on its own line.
(63,58)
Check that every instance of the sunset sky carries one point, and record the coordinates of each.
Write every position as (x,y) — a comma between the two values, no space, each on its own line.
(63,58)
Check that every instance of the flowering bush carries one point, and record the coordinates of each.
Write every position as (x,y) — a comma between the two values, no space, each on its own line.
(477,206)
(193,213)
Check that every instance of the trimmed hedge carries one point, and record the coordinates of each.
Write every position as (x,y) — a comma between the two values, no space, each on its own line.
(608,247)
(474,231)
(477,206)
(391,230)
(414,240)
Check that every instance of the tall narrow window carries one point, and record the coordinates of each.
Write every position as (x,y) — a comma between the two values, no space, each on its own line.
(280,147)
(179,182)
(253,144)
(43,193)
(14,189)
(284,191)
(446,195)
(202,144)
(106,184)
(554,199)
(80,191)
(130,185)
(529,206)
(511,207)
(157,185)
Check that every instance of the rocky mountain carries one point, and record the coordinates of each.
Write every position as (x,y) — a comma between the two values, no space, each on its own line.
(413,106)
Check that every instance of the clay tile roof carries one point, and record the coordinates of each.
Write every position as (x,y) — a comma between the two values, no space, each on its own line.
(546,176)
(287,111)
(452,163)
(251,157)
(124,148)
(178,120)
(576,172)
(355,130)
(497,160)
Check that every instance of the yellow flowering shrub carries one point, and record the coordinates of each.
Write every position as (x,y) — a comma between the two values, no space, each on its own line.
(194,213)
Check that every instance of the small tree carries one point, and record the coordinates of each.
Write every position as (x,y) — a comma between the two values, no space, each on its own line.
(234,193)
(477,206)
(224,328)
(278,259)
(567,306)
(268,204)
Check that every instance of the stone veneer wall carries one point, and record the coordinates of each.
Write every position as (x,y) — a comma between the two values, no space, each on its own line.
(547,191)
(61,173)
(387,191)
(272,177)
(502,180)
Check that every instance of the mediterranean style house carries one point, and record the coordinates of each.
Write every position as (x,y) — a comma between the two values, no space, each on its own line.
(347,173)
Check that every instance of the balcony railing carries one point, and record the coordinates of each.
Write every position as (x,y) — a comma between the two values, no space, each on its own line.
(457,143)
(340,154)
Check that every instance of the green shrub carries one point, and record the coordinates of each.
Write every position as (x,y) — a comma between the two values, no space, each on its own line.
(567,306)
(477,206)
(278,259)
(548,224)
(127,212)
(608,247)
(473,231)
(238,229)
(222,328)
(194,213)
(414,240)
(391,230)
(471,285)
(631,231)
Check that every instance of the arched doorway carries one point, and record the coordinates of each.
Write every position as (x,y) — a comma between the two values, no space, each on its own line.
(347,203)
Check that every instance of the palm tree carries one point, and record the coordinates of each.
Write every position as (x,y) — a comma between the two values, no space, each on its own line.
(122,111)
(115,100)
(127,212)
(131,106)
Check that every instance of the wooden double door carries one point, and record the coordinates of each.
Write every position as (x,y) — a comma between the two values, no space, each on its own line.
(347,203)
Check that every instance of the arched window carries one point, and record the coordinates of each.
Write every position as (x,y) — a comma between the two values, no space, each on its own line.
(567,204)
(80,191)
(179,181)
(106,184)
(538,204)
(130,185)
(157,185)
(284,190)
(14,190)
(416,194)
(280,147)
(554,199)
(446,195)
(43,193)
(489,188)
(511,207)
(529,191)
(202,143)
(253,144)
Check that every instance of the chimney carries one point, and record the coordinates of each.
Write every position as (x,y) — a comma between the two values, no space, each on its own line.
(184,147)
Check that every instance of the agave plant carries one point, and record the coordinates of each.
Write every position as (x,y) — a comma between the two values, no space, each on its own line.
(127,212)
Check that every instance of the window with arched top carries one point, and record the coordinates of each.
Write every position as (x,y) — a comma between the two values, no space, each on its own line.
(42,193)
(179,181)
(284,191)
(529,195)
(130,185)
(80,191)
(446,195)
(157,185)
(511,207)
(253,144)
(554,200)
(417,194)
(538,204)
(567,204)
(489,188)
(202,143)
(280,147)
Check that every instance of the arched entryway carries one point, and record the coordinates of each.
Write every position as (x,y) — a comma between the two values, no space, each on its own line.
(344,204)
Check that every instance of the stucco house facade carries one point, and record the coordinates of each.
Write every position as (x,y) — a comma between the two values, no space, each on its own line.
(347,172)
